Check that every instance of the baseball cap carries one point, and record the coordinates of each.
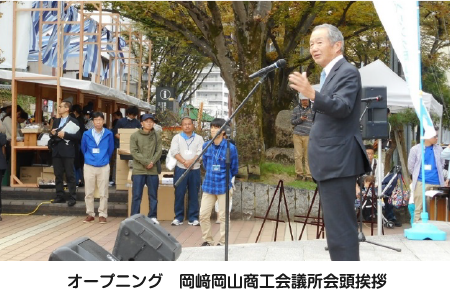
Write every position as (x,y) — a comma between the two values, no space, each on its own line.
(147,116)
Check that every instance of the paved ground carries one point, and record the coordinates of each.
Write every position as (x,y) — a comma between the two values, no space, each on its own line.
(35,237)
(313,250)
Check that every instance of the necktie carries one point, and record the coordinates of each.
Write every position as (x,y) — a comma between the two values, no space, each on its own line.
(323,76)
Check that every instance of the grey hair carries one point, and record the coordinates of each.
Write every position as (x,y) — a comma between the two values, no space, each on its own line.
(334,35)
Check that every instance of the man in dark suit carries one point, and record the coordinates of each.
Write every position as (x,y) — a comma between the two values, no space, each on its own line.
(63,154)
(336,151)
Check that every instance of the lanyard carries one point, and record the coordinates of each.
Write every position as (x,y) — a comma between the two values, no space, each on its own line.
(189,144)
(216,158)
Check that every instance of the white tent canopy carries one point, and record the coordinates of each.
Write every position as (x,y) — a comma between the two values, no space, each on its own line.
(398,96)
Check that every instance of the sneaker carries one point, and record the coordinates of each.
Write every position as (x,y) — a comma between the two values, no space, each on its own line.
(102,220)
(89,219)
(204,244)
(112,183)
(154,220)
(397,223)
(194,223)
(71,202)
(175,222)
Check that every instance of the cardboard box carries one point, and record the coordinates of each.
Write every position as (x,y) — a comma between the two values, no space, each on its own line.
(129,131)
(120,187)
(166,201)
(47,177)
(47,170)
(29,175)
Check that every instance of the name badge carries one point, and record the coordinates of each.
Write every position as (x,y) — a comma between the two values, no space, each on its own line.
(216,168)
(428,167)
(187,152)
(95,150)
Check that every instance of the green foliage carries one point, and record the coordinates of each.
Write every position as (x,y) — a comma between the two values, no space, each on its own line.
(408,116)
(311,186)
(23,100)
(286,172)
(275,168)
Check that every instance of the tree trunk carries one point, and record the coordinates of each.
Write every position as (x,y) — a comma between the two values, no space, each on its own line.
(401,146)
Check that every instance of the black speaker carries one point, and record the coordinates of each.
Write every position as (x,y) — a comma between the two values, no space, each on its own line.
(82,249)
(139,239)
(374,122)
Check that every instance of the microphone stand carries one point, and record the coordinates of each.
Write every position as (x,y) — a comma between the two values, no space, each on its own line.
(177,183)
(361,237)
(227,197)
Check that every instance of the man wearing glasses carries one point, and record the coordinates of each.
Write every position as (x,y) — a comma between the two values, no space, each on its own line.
(434,165)
(63,154)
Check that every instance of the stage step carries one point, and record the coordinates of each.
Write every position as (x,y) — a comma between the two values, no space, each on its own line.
(26,200)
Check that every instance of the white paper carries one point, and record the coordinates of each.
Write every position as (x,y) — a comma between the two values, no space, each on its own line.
(433,193)
(167,181)
(71,128)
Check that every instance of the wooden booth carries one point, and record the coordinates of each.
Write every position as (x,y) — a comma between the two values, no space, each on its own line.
(56,84)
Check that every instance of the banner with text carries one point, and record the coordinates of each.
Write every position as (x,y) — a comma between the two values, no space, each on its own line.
(401,22)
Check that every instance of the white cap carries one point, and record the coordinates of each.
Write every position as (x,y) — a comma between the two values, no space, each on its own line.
(301,96)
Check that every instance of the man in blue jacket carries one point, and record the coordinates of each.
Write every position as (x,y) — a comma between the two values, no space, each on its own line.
(97,146)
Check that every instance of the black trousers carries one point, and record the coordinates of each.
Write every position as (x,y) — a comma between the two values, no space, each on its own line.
(2,172)
(337,197)
(61,166)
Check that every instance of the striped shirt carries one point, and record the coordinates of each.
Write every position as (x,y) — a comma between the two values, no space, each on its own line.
(215,166)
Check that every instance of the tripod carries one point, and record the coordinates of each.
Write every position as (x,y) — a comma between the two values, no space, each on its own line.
(361,237)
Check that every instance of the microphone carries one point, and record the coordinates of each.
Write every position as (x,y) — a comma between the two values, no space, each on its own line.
(369,99)
(228,131)
(263,71)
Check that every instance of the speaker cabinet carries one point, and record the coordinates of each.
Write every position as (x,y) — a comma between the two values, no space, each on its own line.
(374,122)
(139,239)
(82,249)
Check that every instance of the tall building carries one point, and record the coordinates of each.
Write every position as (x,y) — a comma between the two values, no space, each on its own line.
(213,93)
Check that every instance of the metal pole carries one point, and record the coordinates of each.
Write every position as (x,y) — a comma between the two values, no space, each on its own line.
(379,208)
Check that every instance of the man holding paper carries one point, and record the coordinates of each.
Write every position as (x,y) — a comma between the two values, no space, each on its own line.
(65,133)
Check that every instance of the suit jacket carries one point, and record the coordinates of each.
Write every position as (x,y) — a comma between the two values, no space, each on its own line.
(335,144)
(65,148)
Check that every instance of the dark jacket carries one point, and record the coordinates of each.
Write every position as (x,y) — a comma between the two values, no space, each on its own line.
(124,123)
(65,148)
(3,141)
(79,158)
(335,146)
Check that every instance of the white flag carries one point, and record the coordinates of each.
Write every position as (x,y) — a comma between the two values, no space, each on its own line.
(401,22)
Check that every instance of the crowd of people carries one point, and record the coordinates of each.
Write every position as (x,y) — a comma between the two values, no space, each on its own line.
(85,156)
